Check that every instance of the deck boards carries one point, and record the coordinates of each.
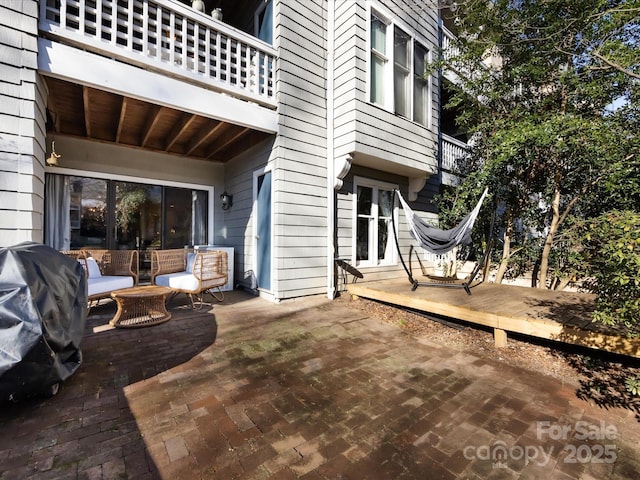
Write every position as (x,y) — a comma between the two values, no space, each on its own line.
(559,316)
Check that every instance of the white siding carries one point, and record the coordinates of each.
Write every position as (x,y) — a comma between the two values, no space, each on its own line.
(22,125)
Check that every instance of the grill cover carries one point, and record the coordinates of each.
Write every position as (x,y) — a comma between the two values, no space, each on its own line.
(43,311)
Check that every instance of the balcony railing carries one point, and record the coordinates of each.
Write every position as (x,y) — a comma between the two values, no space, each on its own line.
(169,37)
(452,150)
(449,49)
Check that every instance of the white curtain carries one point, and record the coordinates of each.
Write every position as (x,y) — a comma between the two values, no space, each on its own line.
(378,62)
(198,218)
(57,212)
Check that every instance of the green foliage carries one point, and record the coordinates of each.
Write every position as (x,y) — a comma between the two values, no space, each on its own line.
(608,253)
(633,385)
(546,140)
(132,197)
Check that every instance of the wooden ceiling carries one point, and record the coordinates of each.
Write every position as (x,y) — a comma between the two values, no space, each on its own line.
(86,112)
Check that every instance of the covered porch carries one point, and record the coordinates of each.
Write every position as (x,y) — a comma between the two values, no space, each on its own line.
(147,102)
(155,75)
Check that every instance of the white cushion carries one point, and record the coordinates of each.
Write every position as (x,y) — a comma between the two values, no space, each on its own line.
(191,258)
(179,280)
(108,283)
(93,268)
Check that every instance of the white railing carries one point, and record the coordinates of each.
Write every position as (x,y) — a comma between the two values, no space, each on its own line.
(452,150)
(166,36)
(449,50)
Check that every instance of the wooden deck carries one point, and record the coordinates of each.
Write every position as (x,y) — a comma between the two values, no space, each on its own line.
(560,316)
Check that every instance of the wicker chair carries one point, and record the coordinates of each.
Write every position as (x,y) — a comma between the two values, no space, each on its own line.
(116,262)
(107,270)
(192,273)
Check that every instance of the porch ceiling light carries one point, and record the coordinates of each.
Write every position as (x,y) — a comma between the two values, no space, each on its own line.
(227,200)
(52,161)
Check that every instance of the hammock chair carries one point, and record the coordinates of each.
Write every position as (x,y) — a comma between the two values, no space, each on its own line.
(440,242)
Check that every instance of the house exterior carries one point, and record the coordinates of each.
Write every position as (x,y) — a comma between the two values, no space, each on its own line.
(122,122)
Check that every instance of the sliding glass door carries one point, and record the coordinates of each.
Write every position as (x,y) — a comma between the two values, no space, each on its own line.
(88,212)
(138,216)
(115,214)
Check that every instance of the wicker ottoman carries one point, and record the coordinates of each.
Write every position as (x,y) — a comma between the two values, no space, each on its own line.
(140,306)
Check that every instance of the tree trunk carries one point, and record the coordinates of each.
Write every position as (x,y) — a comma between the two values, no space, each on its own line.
(506,254)
(548,243)
(563,283)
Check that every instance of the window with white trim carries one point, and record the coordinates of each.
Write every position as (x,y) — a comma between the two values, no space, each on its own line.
(373,231)
(379,58)
(401,72)
(399,78)
(421,91)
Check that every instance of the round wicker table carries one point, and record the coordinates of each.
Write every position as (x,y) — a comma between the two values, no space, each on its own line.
(140,306)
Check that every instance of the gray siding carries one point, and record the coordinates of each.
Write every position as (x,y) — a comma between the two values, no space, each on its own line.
(360,129)
(235,226)
(22,126)
(375,136)
(345,217)
(380,133)
(300,176)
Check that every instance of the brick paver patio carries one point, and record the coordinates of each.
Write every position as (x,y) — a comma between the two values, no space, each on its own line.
(307,389)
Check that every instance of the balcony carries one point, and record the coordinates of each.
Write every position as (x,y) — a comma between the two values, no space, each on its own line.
(449,50)
(452,151)
(166,37)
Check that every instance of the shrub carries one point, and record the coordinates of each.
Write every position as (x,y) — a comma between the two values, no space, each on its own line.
(610,255)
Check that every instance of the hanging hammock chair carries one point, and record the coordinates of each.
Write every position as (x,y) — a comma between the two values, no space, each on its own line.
(440,242)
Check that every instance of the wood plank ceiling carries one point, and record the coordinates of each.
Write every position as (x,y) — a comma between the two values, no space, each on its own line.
(86,112)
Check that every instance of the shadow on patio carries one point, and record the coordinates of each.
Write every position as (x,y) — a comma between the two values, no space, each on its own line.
(88,428)
(602,374)
(307,388)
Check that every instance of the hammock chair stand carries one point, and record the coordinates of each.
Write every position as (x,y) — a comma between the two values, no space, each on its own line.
(445,282)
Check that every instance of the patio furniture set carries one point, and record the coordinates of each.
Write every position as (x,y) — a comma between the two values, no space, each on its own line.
(114,274)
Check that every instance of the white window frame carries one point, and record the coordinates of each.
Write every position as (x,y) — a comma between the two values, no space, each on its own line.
(388,76)
(427,107)
(373,227)
(407,72)
(386,57)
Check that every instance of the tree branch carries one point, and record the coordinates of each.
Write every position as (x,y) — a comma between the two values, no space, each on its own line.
(615,66)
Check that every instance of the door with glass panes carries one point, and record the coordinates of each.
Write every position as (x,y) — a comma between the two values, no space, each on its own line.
(127,215)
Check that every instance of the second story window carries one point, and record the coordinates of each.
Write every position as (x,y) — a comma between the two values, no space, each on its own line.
(401,70)
(399,79)
(378,59)
(421,92)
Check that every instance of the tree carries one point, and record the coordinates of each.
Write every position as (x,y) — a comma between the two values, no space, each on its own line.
(548,140)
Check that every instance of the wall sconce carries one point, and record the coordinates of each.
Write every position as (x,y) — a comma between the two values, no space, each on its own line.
(52,161)
(227,200)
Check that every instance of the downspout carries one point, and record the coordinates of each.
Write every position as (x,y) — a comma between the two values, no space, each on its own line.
(331,194)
